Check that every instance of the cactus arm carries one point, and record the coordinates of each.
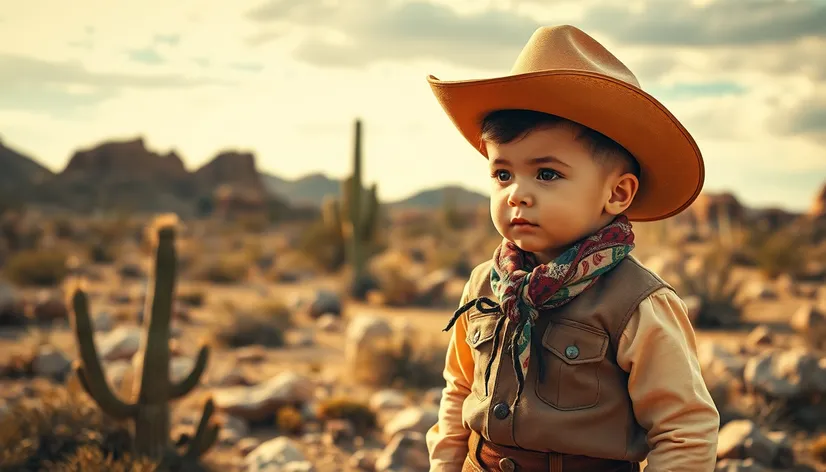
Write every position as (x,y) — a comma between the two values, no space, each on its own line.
(91,374)
(156,354)
(191,381)
(205,434)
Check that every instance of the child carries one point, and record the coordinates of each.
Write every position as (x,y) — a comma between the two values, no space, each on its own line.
(567,353)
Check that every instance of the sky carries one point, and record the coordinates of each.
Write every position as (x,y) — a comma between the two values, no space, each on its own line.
(285,79)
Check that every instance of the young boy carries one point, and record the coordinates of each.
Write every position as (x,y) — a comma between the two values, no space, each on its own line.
(567,354)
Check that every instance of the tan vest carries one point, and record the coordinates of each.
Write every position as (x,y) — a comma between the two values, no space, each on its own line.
(582,407)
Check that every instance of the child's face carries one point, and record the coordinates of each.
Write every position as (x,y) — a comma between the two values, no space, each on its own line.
(551,180)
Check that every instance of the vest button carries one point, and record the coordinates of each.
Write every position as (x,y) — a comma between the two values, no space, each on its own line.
(507,465)
(501,411)
(571,352)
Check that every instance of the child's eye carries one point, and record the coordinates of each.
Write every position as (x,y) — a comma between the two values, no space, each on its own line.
(547,174)
(501,175)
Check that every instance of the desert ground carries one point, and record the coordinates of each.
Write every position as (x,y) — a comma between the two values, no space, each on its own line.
(306,375)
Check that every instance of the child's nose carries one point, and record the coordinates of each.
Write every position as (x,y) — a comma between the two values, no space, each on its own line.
(519,197)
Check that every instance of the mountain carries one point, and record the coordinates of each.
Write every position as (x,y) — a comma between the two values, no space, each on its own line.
(308,190)
(18,172)
(311,190)
(434,198)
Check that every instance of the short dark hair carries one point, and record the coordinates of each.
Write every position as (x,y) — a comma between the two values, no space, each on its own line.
(504,126)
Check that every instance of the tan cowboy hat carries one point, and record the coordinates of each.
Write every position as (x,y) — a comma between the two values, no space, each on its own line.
(565,72)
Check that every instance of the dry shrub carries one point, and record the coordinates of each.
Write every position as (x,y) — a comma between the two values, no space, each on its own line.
(222,269)
(713,284)
(323,246)
(264,325)
(449,258)
(91,459)
(360,416)
(289,420)
(818,448)
(395,281)
(42,267)
(780,253)
(51,428)
(193,298)
(399,363)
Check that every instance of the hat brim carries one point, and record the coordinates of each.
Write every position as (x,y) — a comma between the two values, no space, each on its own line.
(672,169)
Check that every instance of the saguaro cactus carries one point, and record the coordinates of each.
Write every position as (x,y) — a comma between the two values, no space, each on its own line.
(355,216)
(153,389)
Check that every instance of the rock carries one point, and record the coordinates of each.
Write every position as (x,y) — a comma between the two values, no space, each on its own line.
(51,362)
(228,377)
(432,396)
(810,323)
(121,343)
(254,353)
(722,371)
(338,431)
(363,331)
(430,290)
(755,290)
(786,374)
(273,455)
(362,460)
(50,307)
(328,322)
(387,399)
(257,402)
(12,306)
(325,303)
(760,336)
(414,419)
(737,465)
(247,445)
(406,452)
(742,439)
(103,322)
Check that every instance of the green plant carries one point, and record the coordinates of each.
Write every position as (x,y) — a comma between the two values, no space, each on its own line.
(355,217)
(152,390)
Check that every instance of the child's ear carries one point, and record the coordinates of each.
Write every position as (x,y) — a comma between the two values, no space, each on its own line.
(623,192)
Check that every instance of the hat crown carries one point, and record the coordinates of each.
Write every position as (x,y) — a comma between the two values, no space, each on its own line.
(566,47)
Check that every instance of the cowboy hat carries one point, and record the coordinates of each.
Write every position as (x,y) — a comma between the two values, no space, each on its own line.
(565,72)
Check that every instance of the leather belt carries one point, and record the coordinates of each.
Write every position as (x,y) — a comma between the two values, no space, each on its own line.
(484,456)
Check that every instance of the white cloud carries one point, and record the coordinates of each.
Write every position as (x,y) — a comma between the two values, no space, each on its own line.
(216,90)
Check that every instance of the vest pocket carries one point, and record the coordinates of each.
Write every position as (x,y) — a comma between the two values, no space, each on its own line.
(572,353)
(480,331)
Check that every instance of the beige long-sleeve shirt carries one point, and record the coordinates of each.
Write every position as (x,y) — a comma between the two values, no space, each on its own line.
(658,349)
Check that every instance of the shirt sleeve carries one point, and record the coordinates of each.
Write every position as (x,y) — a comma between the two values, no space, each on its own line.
(447,440)
(670,399)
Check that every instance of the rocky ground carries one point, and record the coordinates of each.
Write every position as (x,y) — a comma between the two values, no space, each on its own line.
(322,401)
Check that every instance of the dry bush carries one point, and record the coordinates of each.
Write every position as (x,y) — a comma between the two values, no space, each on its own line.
(818,448)
(41,267)
(193,298)
(395,280)
(92,459)
(325,248)
(360,416)
(778,253)
(222,269)
(399,363)
(289,420)
(713,284)
(52,427)
(264,325)
(449,258)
